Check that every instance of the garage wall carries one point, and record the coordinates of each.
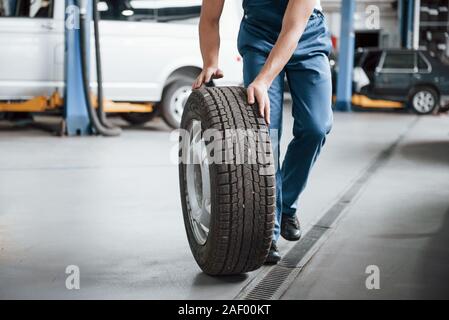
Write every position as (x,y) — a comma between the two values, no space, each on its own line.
(388,20)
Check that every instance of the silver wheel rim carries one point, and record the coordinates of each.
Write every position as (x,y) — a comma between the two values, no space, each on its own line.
(198,184)
(423,101)
(178,101)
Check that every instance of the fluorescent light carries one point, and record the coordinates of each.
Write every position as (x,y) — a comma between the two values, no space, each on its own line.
(102,6)
(127,13)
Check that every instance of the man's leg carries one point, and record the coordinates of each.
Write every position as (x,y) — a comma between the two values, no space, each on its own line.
(253,62)
(310,85)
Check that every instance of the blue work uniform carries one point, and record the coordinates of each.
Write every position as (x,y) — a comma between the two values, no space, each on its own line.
(309,79)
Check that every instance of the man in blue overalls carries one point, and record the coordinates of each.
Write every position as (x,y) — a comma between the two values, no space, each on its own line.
(280,38)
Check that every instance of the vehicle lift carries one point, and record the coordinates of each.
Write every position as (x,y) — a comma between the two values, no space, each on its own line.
(83,113)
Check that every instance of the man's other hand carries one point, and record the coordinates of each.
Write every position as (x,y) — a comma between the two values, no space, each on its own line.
(258,92)
(207,75)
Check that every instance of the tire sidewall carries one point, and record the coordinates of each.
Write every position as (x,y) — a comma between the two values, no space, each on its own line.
(138,119)
(423,89)
(200,252)
(169,91)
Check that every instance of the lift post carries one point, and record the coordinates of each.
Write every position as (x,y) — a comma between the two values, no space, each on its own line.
(346,57)
(409,17)
(75,108)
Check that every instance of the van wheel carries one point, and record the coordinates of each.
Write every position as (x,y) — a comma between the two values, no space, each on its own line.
(228,206)
(138,118)
(423,100)
(174,99)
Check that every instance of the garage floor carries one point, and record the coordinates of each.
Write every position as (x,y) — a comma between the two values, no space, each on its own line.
(111,207)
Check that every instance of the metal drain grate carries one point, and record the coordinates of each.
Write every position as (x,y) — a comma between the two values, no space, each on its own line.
(299,251)
(278,279)
(271,283)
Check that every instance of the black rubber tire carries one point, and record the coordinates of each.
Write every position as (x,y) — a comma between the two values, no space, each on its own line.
(417,90)
(18,116)
(166,112)
(242,195)
(138,118)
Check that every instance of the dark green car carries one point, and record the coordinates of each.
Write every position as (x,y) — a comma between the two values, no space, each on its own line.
(414,77)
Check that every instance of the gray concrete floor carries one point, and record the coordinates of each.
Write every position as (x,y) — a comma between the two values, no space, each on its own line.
(111,207)
(399,223)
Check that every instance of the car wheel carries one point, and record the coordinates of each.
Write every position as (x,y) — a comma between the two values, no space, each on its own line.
(424,100)
(228,206)
(138,118)
(174,99)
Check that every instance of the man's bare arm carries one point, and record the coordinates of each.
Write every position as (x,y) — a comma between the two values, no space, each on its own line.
(209,29)
(295,21)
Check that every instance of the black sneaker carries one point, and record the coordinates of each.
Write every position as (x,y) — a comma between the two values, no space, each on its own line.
(273,256)
(290,228)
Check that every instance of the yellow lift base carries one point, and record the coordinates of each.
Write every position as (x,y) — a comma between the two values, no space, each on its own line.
(42,104)
(362,101)
(365,102)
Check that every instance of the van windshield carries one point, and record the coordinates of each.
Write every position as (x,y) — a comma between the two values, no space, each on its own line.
(26,8)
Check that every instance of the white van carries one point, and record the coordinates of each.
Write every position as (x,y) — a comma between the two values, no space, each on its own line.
(150,51)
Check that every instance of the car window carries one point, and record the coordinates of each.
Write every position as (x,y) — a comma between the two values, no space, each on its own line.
(357,58)
(422,64)
(371,61)
(167,11)
(26,8)
(399,60)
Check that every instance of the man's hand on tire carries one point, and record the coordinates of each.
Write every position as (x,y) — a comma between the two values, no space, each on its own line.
(207,75)
(258,92)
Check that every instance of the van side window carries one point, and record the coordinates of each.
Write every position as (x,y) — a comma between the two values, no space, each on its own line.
(184,15)
(120,10)
(177,11)
(26,8)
